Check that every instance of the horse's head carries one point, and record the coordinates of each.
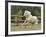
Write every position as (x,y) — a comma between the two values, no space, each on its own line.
(27,13)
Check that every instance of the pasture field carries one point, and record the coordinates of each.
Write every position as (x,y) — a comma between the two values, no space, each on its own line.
(21,27)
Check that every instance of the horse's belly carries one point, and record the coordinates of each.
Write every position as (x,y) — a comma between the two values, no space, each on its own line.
(32,19)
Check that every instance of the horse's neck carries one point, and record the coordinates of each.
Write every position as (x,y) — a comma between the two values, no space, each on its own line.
(29,16)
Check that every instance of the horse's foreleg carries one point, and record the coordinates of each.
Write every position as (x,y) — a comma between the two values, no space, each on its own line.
(24,22)
(27,23)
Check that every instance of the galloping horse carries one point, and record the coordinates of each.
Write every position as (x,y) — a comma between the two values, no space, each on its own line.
(29,18)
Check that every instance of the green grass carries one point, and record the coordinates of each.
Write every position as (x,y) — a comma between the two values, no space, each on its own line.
(21,27)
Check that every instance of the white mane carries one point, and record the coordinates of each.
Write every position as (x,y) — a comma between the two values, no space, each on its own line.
(27,13)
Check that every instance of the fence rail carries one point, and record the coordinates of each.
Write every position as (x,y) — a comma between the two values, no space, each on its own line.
(16,16)
(14,20)
(18,21)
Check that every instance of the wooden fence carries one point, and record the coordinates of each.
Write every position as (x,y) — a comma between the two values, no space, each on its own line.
(18,19)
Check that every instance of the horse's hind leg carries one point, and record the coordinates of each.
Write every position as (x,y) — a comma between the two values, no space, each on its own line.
(36,22)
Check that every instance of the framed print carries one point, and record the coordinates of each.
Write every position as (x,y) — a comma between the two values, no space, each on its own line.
(24,18)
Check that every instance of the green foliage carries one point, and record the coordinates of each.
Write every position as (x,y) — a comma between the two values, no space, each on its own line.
(19,10)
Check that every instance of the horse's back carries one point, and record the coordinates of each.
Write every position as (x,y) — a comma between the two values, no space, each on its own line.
(35,17)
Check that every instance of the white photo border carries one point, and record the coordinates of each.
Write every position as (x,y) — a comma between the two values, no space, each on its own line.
(23,32)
